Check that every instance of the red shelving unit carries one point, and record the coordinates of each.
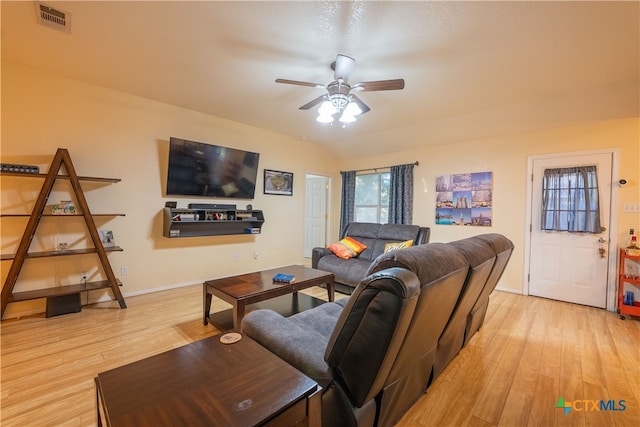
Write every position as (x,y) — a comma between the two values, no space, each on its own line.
(628,280)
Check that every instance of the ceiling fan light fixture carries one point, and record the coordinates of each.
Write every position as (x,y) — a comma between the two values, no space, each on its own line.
(347,118)
(338,100)
(327,108)
(352,109)
(324,118)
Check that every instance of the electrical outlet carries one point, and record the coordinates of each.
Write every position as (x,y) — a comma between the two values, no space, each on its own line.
(631,207)
(236,257)
(124,270)
(256,254)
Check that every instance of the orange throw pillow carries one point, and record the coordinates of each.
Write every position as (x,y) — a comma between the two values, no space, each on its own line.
(347,248)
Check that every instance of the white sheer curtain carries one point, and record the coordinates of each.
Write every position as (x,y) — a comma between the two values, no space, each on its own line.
(570,200)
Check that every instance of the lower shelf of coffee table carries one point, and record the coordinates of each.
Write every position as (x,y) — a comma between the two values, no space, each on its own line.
(286,305)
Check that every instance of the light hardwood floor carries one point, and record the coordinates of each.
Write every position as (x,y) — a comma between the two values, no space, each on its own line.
(529,353)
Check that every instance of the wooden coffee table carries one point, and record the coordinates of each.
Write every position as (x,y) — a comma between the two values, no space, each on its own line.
(208,383)
(259,290)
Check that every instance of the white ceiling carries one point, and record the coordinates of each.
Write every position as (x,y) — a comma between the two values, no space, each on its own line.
(472,69)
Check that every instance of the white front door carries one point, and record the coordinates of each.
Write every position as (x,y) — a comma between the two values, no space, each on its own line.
(315,220)
(570,266)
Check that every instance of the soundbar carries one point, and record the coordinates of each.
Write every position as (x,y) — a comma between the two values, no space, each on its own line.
(211,206)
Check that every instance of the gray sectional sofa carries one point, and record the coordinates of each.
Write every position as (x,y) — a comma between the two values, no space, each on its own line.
(376,352)
(349,272)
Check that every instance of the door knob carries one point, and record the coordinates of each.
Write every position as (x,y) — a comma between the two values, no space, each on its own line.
(601,249)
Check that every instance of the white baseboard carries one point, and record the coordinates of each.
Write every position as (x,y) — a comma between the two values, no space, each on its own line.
(104,297)
(107,297)
(510,290)
(22,313)
(162,288)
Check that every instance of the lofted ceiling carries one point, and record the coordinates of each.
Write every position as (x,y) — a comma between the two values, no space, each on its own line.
(472,69)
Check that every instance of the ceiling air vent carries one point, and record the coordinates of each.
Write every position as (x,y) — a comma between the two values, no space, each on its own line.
(53,18)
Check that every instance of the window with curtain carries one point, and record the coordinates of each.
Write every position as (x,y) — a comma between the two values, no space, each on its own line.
(380,197)
(372,197)
(570,200)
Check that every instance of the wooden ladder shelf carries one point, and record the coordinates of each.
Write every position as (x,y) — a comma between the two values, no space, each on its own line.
(61,158)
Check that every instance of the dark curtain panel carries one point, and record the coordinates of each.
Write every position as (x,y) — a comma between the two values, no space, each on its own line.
(347,208)
(401,194)
(570,200)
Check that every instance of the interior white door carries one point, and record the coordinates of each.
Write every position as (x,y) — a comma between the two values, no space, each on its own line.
(315,221)
(569,266)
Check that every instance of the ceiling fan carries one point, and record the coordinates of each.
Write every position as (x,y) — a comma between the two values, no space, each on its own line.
(339,99)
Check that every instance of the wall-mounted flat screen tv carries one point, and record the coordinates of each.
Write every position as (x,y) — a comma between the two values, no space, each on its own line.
(199,169)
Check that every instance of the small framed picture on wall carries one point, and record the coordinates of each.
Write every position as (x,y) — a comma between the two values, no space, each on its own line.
(278,182)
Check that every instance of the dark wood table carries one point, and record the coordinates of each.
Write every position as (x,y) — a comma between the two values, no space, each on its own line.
(259,290)
(208,383)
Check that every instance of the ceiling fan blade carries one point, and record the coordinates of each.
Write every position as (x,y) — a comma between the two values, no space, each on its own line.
(313,103)
(295,82)
(380,85)
(343,68)
(360,104)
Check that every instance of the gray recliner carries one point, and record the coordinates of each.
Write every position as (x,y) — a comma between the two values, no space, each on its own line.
(350,354)
(377,352)
(442,272)
(503,248)
(480,257)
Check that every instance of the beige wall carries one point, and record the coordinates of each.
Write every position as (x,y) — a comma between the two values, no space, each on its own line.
(111,134)
(507,158)
(116,135)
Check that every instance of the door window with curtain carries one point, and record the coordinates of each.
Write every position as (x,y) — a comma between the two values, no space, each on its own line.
(570,200)
(372,197)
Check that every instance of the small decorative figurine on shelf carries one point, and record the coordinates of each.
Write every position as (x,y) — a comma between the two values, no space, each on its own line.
(633,249)
(65,207)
